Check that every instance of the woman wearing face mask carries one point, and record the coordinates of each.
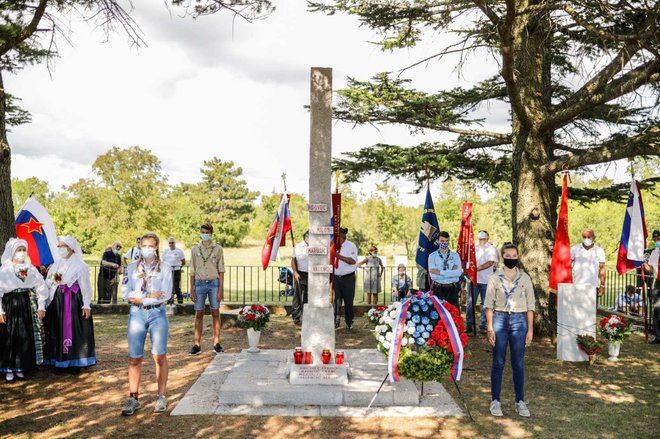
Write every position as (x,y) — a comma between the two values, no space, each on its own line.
(510,320)
(401,284)
(372,273)
(23,296)
(147,286)
(68,323)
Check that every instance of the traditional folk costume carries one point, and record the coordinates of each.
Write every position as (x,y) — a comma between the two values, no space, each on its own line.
(69,335)
(22,292)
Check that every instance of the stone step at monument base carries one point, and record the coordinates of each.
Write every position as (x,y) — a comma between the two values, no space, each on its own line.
(256,384)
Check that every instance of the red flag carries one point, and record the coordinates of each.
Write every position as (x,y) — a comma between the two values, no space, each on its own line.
(335,222)
(561,270)
(277,234)
(466,248)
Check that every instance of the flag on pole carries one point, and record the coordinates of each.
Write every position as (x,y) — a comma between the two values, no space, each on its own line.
(561,270)
(35,226)
(633,235)
(428,233)
(277,233)
(466,249)
(335,223)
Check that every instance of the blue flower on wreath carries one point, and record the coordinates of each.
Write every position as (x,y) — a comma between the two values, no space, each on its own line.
(425,320)
(429,327)
(415,318)
(416,334)
(410,324)
(426,335)
(429,302)
(420,341)
(415,308)
(434,315)
(425,308)
(408,315)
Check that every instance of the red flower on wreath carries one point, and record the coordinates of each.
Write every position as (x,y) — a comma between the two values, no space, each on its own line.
(431,342)
(254,307)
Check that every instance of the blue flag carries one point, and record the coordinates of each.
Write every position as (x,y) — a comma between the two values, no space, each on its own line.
(428,232)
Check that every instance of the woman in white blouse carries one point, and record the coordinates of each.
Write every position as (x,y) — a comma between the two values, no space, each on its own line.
(147,286)
(510,320)
(68,321)
(23,296)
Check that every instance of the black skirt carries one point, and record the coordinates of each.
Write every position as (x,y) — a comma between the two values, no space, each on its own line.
(81,349)
(17,348)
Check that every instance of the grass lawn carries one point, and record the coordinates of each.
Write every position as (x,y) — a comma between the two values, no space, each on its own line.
(566,400)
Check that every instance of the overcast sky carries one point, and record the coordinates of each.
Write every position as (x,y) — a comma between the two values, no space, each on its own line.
(202,88)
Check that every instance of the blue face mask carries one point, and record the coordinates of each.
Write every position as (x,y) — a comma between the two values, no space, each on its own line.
(205,236)
(443,245)
(148,252)
(657,244)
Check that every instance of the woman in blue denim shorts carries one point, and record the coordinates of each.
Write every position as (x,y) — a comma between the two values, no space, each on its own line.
(510,320)
(147,286)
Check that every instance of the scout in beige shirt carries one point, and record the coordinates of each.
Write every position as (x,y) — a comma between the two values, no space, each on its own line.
(520,300)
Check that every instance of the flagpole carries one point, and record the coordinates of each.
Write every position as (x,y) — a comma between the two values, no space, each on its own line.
(643,272)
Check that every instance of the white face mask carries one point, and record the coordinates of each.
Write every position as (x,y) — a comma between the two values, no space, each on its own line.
(64,252)
(20,256)
(587,242)
(148,252)
(482,235)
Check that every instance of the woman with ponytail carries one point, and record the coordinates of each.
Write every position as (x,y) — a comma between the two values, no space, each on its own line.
(147,286)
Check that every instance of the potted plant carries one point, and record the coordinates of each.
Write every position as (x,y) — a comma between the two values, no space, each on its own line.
(590,346)
(615,329)
(255,318)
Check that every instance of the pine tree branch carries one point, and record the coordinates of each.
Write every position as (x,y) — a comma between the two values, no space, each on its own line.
(11,43)
(619,146)
(651,29)
(598,91)
(488,11)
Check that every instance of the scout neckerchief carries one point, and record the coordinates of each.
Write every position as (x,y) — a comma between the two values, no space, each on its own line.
(204,257)
(509,293)
(445,259)
(147,273)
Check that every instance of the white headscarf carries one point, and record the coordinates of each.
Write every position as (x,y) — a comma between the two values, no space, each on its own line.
(10,249)
(70,269)
(8,279)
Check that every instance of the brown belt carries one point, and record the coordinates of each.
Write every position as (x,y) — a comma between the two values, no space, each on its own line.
(444,285)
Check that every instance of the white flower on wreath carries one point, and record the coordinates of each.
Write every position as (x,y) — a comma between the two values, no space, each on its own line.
(411,340)
(393,314)
(386,344)
(389,336)
(411,330)
(404,341)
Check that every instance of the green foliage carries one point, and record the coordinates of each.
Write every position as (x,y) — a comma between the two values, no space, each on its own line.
(22,189)
(427,365)
(265,213)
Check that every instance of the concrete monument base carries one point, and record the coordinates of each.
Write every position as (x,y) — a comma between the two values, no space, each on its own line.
(324,374)
(256,384)
(318,330)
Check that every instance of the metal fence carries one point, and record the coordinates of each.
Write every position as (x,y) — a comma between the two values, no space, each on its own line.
(247,284)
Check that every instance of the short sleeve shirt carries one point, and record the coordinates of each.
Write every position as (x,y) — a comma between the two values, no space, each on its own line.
(132,255)
(174,257)
(653,261)
(586,264)
(302,260)
(487,253)
(348,250)
(521,292)
(206,262)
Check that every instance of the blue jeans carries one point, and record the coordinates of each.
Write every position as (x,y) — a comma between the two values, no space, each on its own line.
(204,288)
(141,321)
(510,330)
(479,292)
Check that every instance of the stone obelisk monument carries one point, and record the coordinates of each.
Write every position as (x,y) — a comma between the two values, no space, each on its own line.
(318,331)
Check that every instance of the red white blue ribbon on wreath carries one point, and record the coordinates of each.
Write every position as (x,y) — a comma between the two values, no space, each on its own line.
(399,330)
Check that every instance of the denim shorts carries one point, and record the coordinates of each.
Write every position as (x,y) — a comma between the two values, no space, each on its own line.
(141,321)
(204,288)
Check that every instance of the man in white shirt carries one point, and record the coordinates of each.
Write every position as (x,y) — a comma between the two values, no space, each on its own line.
(589,262)
(344,279)
(176,258)
(487,259)
(133,254)
(652,266)
(300,266)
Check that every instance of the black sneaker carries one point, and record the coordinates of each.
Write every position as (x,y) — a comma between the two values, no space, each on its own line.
(217,348)
(337,324)
(196,349)
(349,326)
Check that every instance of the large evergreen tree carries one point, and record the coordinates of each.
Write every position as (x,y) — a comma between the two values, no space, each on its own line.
(579,79)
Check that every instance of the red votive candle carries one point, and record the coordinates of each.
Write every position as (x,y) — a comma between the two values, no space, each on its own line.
(326,356)
(339,357)
(308,358)
(298,356)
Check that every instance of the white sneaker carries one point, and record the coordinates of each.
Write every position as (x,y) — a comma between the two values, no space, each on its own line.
(10,377)
(20,375)
(161,404)
(522,410)
(496,408)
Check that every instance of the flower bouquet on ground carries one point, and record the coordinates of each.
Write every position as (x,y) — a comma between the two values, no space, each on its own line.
(253,317)
(423,337)
(614,328)
(375,313)
(590,346)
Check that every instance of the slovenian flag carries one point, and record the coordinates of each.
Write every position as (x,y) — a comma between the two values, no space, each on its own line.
(277,234)
(35,226)
(633,235)
(428,233)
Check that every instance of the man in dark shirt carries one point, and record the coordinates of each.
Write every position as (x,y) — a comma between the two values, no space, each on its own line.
(108,274)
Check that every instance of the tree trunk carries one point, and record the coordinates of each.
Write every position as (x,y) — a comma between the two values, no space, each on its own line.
(7,229)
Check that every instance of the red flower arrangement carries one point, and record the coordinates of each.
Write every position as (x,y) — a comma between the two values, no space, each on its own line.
(614,328)
(253,316)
